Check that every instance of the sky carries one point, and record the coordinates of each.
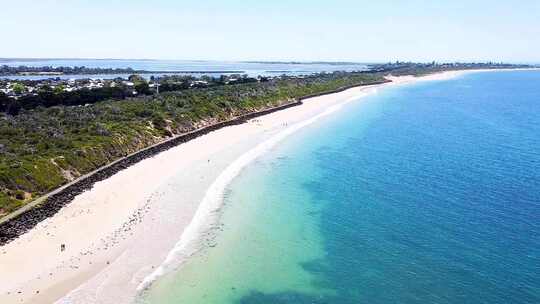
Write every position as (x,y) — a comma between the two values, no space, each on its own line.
(338,30)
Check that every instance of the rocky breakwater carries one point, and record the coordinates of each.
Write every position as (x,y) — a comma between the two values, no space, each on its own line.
(27,220)
(52,203)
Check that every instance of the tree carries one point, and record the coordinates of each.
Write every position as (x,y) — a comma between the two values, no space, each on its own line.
(140,84)
(142,88)
(19,88)
(135,78)
(48,97)
(29,102)
(59,89)
(14,107)
(4,101)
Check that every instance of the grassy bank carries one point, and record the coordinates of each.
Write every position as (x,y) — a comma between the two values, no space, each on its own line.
(43,149)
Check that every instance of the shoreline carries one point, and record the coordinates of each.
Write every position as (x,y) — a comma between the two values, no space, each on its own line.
(97,269)
(20,221)
(49,204)
(211,204)
(210,207)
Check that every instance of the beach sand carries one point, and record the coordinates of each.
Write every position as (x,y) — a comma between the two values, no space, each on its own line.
(119,232)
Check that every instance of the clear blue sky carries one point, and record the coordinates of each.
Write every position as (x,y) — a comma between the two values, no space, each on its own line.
(353,30)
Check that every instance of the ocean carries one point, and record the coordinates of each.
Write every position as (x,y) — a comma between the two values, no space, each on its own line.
(422,193)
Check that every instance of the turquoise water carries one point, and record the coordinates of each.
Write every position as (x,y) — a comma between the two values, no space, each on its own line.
(428,193)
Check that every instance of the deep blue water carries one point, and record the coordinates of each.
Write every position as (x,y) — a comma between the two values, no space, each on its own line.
(436,200)
(427,193)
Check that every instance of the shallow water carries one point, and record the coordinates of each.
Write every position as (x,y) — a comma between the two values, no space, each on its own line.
(426,193)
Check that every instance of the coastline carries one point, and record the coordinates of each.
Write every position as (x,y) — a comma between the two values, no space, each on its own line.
(109,253)
(25,218)
(45,206)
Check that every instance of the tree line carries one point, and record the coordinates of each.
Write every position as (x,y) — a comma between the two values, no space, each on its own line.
(11,70)
(48,97)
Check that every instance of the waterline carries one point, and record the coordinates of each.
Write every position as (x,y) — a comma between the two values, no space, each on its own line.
(209,208)
(422,194)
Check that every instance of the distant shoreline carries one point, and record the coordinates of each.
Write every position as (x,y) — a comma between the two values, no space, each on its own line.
(187,60)
(122,72)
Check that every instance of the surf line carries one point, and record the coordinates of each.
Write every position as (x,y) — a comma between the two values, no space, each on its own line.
(213,200)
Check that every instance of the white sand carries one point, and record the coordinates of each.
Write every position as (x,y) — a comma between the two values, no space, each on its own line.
(120,232)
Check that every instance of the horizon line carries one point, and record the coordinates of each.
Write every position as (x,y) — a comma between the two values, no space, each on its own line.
(269,61)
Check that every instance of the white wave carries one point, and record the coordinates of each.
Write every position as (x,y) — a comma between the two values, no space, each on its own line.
(213,199)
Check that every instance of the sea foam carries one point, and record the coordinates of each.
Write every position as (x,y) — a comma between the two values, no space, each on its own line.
(209,208)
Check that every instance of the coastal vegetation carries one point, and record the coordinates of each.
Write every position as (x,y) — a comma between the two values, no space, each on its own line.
(51,136)
(30,94)
(43,147)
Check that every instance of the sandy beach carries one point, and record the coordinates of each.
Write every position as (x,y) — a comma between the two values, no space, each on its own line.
(118,234)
